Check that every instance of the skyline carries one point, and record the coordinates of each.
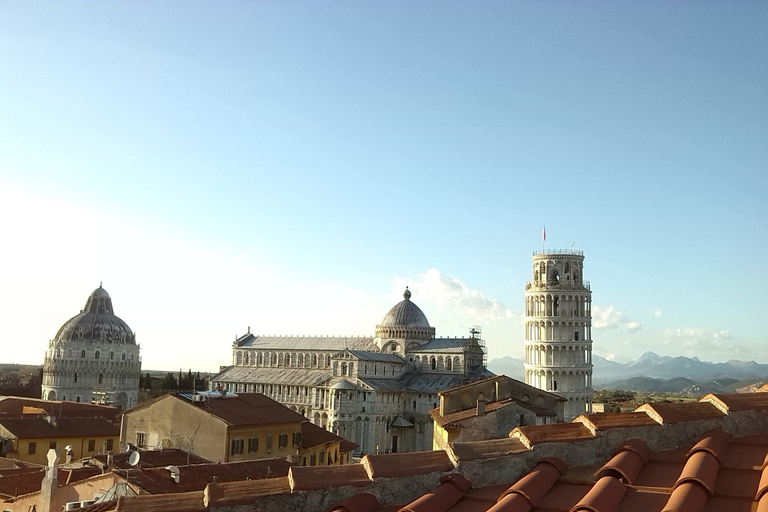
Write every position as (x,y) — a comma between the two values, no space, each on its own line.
(293,166)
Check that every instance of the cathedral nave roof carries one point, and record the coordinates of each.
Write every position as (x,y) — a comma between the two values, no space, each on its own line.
(275,375)
(301,343)
(366,355)
(445,345)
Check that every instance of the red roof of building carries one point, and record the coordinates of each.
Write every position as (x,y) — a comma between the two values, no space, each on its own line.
(53,428)
(237,409)
(152,459)
(15,405)
(312,435)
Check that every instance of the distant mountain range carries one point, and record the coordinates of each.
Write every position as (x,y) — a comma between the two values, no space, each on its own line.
(651,372)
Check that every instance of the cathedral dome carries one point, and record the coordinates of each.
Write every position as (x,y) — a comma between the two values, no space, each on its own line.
(96,323)
(405,314)
(405,320)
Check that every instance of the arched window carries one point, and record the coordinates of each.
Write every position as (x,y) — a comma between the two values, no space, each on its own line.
(301,360)
(123,358)
(101,378)
(287,359)
(433,362)
(70,352)
(343,368)
(74,378)
(351,368)
(328,361)
(111,356)
(96,355)
(448,364)
(82,353)
(314,359)
(260,359)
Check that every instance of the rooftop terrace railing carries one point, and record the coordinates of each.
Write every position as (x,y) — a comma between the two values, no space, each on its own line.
(559,251)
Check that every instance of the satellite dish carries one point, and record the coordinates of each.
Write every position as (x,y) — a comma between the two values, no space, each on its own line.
(127,447)
(174,473)
(134,458)
(68,448)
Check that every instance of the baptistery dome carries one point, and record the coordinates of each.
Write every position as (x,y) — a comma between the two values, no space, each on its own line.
(405,320)
(96,323)
(93,358)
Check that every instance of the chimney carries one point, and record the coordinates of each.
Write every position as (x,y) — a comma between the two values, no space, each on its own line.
(480,405)
(50,483)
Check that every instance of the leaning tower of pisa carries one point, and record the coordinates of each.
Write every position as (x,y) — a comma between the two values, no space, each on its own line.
(558,329)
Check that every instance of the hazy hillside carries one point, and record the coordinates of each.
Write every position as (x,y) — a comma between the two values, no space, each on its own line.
(655,373)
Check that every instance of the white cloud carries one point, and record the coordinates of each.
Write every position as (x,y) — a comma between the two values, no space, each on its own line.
(449,292)
(707,343)
(610,318)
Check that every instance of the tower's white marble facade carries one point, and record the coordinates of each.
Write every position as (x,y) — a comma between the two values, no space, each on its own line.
(558,329)
(93,358)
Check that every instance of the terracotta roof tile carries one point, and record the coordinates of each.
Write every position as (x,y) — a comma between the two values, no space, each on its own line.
(737,482)
(553,433)
(363,502)
(486,449)
(39,427)
(637,446)
(30,479)
(405,464)
(626,465)
(182,502)
(746,456)
(713,441)
(197,477)
(320,477)
(451,489)
(702,467)
(347,446)
(153,459)
(762,486)
(563,496)
(673,413)
(687,497)
(456,417)
(762,505)
(537,482)
(659,474)
(243,492)
(246,409)
(14,406)
(738,401)
(313,435)
(609,420)
(604,496)
(512,502)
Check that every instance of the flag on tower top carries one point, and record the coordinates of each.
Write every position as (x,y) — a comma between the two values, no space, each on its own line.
(544,234)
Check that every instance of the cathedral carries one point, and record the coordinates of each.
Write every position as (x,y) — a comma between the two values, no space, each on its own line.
(376,391)
(93,358)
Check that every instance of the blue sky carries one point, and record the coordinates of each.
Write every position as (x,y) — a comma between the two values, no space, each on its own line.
(290,166)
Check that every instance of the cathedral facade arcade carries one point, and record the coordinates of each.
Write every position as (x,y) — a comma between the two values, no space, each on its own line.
(375,391)
(93,358)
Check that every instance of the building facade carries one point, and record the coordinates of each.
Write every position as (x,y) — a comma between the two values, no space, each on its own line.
(558,329)
(374,391)
(93,358)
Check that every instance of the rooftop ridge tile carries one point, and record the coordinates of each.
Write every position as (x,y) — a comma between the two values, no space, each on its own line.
(674,413)
(407,464)
(609,420)
(552,433)
(320,477)
(243,492)
(512,502)
(638,446)
(604,496)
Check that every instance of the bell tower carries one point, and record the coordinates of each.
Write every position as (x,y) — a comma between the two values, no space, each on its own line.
(558,329)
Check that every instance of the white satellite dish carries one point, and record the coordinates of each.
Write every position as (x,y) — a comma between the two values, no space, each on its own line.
(68,448)
(174,473)
(134,458)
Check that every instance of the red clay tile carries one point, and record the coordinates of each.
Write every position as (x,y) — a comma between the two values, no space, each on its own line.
(659,474)
(320,477)
(243,492)
(728,504)
(737,483)
(714,441)
(535,485)
(363,502)
(687,497)
(762,487)
(563,496)
(626,465)
(604,496)
(490,448)
(702,467)
(553,433)
(743,455)
(407,464)
(512,502)
(673,413)
(762,505)
(451,489)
